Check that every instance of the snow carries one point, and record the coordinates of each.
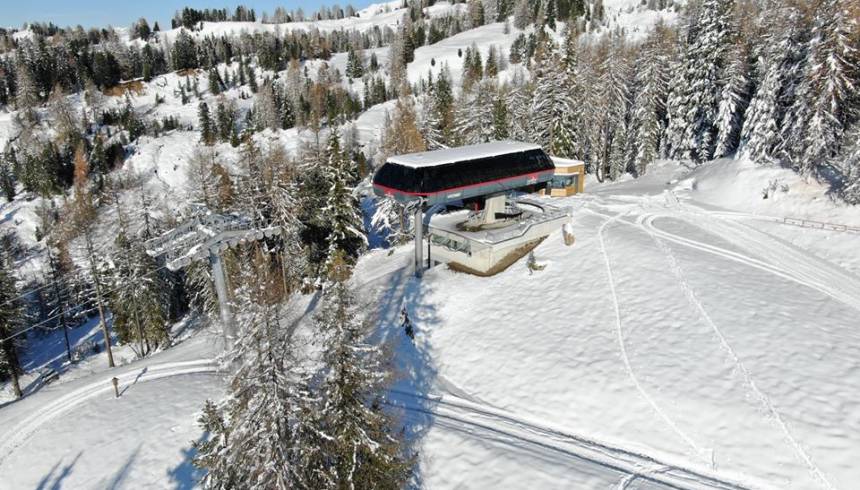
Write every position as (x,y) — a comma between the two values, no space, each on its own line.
(566,162)
(669,330)
(461,154)
(75,434)
(386,15)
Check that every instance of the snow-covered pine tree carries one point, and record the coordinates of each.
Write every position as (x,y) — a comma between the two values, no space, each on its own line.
(833,78)
(848,164)
(11,312)
(519,103)
(500,115)
(341,210)
(225,118)
(652,79)
(27,91)
(356,442)
(354,64)
(207,129)
(473,116)
(692,133)
(139,297)
(734,100)
(429,123)
(253,439)
(780,65)
(606,80)
(553,120)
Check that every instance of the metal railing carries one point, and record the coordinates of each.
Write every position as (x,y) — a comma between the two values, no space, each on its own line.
(820,225)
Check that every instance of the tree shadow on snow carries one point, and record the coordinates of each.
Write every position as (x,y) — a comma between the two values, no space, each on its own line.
(120,476)
(52,482)
(410,395)
(186,476)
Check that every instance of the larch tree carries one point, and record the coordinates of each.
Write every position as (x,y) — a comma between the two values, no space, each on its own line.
(402,135)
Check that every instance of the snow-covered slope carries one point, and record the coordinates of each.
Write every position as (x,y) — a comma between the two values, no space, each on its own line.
(682,341)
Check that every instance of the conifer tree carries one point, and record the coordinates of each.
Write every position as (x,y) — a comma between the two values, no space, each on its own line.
(500,116)
(833,80)
(692,132)
(214,82)
(734,100)
(848,162)
(207,129)
(353,443)
(139,298)
(10,319)
(354,64)
(553,113)
(254,438)
(341,210)
(780,66)
(649,104)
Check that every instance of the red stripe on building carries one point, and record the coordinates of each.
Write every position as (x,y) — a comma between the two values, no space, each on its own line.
(391,190)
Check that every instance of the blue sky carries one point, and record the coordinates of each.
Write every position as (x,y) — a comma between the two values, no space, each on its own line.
(98,13)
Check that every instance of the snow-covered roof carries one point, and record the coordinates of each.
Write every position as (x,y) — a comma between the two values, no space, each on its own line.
(461,154)
(566,162)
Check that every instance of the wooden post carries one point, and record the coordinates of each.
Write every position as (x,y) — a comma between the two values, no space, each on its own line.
(115,382)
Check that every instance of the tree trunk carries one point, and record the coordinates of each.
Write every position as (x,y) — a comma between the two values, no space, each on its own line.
(99,302)
(16,386)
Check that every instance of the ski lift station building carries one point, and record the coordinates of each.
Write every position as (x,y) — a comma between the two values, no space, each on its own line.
(473,201)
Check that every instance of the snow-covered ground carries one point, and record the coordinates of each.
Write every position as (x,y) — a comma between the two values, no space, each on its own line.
(74,433)
(682,344)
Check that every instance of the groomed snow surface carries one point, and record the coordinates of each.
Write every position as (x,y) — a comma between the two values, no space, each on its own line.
(676,344)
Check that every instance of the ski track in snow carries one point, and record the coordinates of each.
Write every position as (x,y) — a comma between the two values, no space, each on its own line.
(787,270)
(759,395)
(620,334)
(19,434)
(468,416)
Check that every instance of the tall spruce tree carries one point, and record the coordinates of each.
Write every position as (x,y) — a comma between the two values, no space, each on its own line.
(694,104)
(780,65)
(353,442)
(830,87)
(207,129)
(340,213)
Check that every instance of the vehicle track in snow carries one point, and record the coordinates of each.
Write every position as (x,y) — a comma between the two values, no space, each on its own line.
(24,430)
(619,331)
(763,399)
(455,413)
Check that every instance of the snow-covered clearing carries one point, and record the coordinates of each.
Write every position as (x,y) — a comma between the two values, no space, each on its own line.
(76,434)
(691,347)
